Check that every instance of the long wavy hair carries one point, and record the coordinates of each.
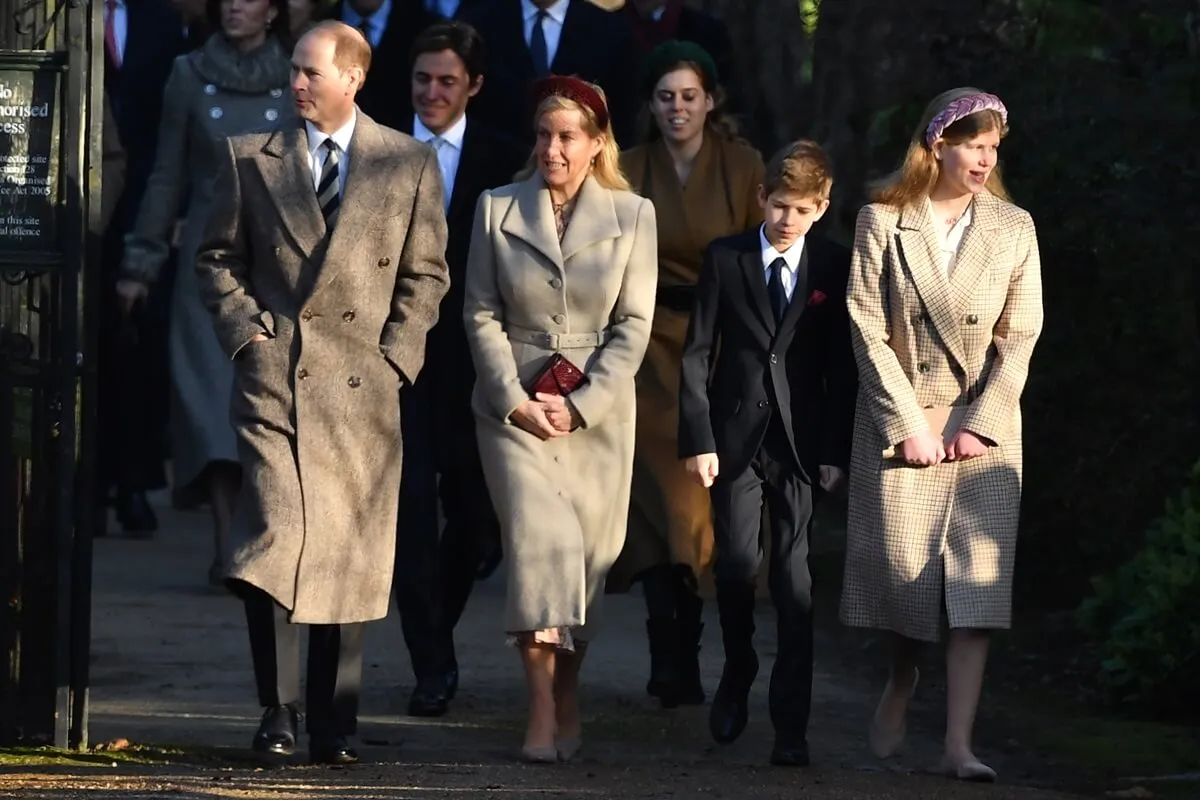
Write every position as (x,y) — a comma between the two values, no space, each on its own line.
(918,174)
(606,168)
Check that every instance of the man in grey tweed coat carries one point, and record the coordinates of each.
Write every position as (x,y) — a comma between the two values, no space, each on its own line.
(323,266)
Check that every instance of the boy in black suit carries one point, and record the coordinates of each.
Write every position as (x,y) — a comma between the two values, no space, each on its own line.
(769,421)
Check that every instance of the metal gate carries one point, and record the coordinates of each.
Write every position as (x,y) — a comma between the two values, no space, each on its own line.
(50,118)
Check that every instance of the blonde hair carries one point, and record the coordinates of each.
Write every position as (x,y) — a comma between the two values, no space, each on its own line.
(801,167)
(918,174)
(606,167)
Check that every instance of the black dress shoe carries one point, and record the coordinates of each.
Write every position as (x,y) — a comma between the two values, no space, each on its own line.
(451,683)
(430,698)
(135,514)
(730,708)
(331,750)
(790,754)
(277,732)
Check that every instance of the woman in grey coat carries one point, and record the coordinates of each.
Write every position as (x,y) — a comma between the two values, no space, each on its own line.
(562,264)
(236,83)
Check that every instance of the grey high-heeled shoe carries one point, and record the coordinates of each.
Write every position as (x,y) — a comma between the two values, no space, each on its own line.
(884,743)
(539,755)
(568,748)
(973,771)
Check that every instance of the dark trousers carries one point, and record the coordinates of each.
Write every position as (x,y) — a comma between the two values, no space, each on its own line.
(773,477)
(335,659)
(435,570)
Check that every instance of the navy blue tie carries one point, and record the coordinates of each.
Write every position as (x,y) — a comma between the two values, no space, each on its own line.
(775,290)
(537,46)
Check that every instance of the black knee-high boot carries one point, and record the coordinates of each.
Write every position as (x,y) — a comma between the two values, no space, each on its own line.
(663,634)
(688,610)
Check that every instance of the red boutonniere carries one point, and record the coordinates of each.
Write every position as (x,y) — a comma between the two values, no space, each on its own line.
(816,298)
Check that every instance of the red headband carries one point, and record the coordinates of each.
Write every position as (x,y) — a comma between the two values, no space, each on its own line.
(572,89)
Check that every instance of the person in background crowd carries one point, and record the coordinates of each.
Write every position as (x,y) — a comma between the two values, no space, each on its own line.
(323,267)
(237,82)
(559,296)
(435,569)
(766,409)
(704,184)
(390,27)
(196,26)
(451,9)
(945,303)
(529,39)
(303,14)
(141,40)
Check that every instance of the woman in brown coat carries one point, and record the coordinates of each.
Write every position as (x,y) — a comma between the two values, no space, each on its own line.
(561,267)
(945,305)
(704,183)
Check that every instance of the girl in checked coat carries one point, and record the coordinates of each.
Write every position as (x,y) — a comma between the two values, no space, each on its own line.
(945,306)
(563,262)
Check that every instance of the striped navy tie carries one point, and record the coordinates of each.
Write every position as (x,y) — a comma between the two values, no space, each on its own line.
(328,189)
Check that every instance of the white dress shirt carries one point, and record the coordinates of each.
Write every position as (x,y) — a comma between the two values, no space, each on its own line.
(552,27)
(950,240)
(375,24)
(120,23)
(791,258)
(449,151)
(317,154)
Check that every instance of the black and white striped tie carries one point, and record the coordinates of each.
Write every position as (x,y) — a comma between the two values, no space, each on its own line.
(328,189)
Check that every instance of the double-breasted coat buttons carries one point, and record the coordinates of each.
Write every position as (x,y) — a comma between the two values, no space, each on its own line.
(348,316)
(302,373)
(922,367)
(383,262)
(306,315)
(972,319)
(354,382)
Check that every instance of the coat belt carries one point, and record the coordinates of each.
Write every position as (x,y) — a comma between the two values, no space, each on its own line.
(558,341)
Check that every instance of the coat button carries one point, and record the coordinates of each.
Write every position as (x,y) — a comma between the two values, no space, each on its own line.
(972,319)
(302,373)
(354,382)
(763,404)
(383,262)
(306,315)
(556,283)
(558,319)
(774,358)
(348,316)
(922,367)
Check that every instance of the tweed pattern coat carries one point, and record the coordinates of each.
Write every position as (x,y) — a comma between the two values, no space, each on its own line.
(922,340)
(316,406)
(562,503)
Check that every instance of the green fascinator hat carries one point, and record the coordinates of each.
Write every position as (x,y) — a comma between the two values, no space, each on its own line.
(670,54)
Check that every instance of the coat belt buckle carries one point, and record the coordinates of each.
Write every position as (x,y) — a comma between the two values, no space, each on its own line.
(552,341)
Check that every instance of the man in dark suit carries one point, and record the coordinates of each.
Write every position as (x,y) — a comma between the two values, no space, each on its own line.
(450,9)
(528,39)
(142,39)
(434,577)
(773,423)
(391,27)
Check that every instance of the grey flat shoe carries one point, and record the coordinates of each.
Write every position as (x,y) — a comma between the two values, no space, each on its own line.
(539,755)
(568,748)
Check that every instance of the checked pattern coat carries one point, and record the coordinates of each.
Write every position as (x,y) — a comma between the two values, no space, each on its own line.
(918,536)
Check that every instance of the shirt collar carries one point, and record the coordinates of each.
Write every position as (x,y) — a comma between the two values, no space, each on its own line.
(556,11)
(376,18)
(341,137)
(453,135)
(769,253)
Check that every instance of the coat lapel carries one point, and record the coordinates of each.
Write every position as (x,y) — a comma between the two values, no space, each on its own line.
(463,195)
(531,219)
(974,254)
(286,172)
(756,282)
(594,220)
(922,255)
(368,183)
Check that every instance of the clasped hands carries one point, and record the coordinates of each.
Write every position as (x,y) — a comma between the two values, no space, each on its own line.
(926,450)
(705,467)
(546,416)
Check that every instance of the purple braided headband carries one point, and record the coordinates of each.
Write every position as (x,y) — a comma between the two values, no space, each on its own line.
(963,107)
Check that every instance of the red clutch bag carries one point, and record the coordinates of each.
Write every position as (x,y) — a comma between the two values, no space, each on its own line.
(559,376)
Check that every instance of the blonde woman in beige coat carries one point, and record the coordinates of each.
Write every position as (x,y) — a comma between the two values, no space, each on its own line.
(945,305)
(563,262)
